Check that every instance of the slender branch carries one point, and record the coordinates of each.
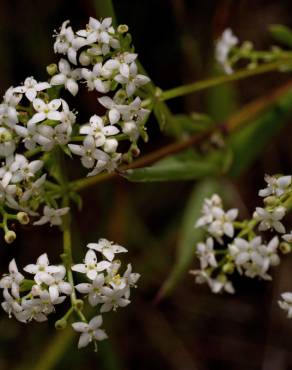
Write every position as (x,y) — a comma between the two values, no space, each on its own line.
(248,112)
(205,84)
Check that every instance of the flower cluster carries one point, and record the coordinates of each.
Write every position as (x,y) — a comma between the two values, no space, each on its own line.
(228,53)
(102,58)
(35,299)
(35,122)
(246,252)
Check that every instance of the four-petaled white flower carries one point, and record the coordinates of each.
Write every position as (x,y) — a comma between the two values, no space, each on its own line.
(31,87)
(107,248)
(13,280)
(270,220)
(129,76)
(91,267)
(96,128)
(52,215)
(67,77)
(112,299)
(93,290)
(89,332)
(276,185)
(42,268)
(206,253)
(45,111)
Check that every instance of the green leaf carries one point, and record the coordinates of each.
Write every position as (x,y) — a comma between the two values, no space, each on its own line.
(192,124)
(249,142)
(26,285)
(281,34)
(189,236)
(183,166)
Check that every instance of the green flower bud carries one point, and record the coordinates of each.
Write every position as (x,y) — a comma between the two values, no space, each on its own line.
(123,28)
(61,324)
(52,69)
(228,268)
(270,201)
(285,248)
(10,236)
(79,304)
(22,218)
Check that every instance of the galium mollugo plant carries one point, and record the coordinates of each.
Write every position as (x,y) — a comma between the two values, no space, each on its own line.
(39,131)
(242,246)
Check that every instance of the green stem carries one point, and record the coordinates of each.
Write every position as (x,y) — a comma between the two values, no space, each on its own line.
(205,84)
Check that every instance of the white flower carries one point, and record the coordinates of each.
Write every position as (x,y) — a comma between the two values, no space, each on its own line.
(223,47)
(254,257)
(114,109)
(89,332)
(112,299)
(206,253)
(52,215)
(67,77)
(8,112)
(217,285)
(10,304)
(23,170)
(33,189)
(107,248)
(56,283)
(286,303)
(129,76)
(91,267)
(13,280)
(270,220)
(67,43)
(96,128)
(93,290)
(31,87)
(95,79)
(45,111)
(276,186)
(130,279)
(288,237)
(106,162)
(88,152)
(42,269)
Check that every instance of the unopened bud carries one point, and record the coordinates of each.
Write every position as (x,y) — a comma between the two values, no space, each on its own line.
(270,201)
(61,324)
(10,236)
(228,268)
(23,218)
(285,248)
(110,145)
(123,28)
(79,304)
(84,59)
(52,69)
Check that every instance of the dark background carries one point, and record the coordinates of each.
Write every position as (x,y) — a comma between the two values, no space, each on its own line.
(191,329)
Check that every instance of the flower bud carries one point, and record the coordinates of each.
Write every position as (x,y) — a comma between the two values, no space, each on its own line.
(79,304)
(23,218)
(270,201)
(61,324)
(129,128)
(228,268)
(285,248)
(10,236)
(84,59)
(52,69)
(110,145)
(123,28)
